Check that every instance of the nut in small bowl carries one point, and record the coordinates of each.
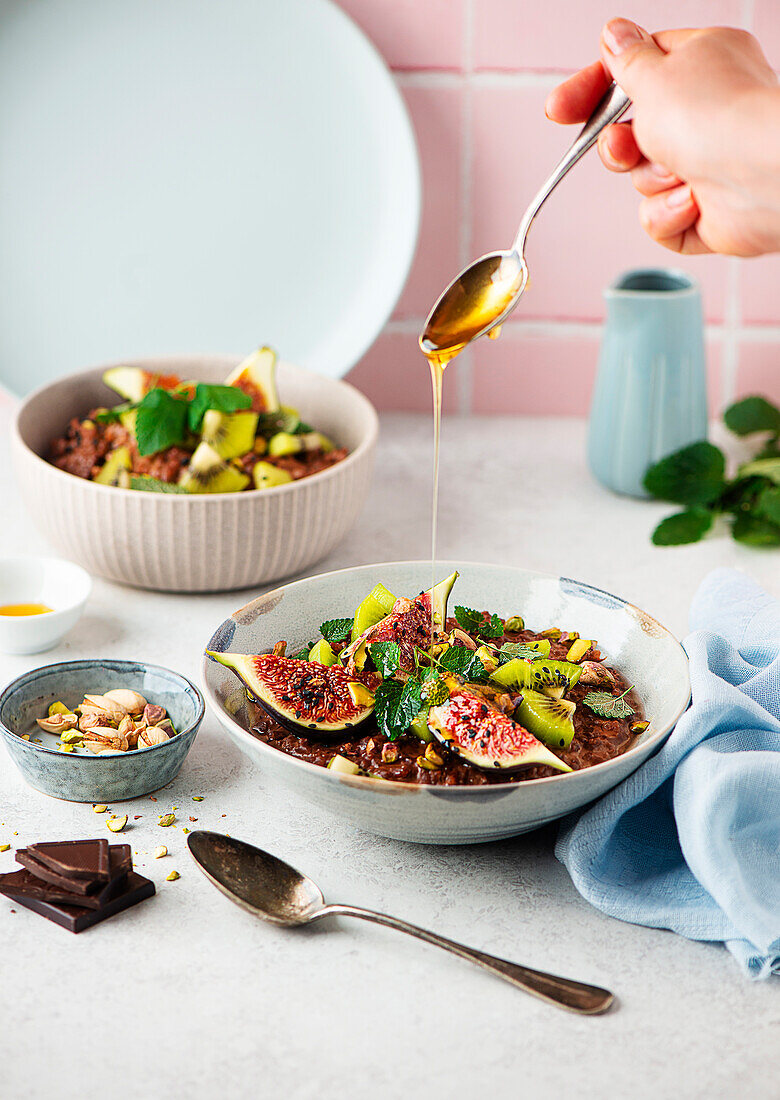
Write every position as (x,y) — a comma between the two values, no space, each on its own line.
(94,756)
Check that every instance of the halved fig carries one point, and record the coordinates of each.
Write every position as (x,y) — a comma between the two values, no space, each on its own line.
(408,624)
(302,696)
(133,382)
(256,377)
(472,728)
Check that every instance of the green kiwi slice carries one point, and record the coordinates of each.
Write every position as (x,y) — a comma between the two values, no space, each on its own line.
(208,472)
(551,720)
(537,675)
(229,434)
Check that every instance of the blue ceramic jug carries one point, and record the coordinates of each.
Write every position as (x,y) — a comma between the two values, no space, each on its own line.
(651,389)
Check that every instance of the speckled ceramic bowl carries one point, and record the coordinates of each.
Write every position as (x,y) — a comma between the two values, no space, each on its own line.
(644,651)
(205,542)
(88,778)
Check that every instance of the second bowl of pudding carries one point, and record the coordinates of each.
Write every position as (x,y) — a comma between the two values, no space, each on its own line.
(200,542)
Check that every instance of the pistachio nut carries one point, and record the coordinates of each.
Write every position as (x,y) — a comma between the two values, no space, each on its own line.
(130,700)
(57,723)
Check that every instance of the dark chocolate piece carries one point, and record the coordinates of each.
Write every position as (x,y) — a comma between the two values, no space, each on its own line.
(79,859)
(76,918)
(120,862)
(25,882)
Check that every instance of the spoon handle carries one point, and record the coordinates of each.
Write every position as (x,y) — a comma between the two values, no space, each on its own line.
(609,108)
(575,996)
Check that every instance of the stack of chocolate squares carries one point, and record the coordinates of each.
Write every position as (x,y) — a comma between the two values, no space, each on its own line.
(76,883)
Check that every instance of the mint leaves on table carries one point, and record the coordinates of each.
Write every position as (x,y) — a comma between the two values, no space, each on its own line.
(474,622)
(696,477)
(336,630)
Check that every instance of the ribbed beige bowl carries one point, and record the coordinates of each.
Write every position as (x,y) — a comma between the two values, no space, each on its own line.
(198,543)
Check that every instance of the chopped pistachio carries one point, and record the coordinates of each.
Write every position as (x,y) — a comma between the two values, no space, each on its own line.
(65,748)
(515,622)
(25,736)
(432,755)
(71,737)
(172,876)
(166,820)
(185,830)
(4,847)
(99,808)
(639,727)
(160,852)
(59,708)
(117,824)
(426,764)
(197,798)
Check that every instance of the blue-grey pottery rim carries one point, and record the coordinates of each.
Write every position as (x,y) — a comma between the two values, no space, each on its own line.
(454,815)
(98,778)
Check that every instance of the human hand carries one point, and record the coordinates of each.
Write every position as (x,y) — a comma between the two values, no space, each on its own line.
(703,145)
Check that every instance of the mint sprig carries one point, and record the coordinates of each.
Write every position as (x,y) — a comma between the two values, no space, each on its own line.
(386,657)
(225,399)
(695,476)
(474,622)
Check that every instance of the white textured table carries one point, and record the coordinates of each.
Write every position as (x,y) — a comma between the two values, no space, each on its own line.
(187,996)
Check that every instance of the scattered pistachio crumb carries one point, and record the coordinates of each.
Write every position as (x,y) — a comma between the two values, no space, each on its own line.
(99,808)
(185,830)
(193,818)
(160,852)
(197,798)
(25,736)
(4,847)
(172,876)
(117,824)
(166,820)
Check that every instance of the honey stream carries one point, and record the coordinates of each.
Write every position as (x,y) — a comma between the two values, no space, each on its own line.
(477,299)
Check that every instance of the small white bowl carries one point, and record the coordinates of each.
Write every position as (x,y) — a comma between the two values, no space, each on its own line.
(60,585)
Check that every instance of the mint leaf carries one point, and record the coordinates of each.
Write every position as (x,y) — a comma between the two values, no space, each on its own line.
(768,505)
(693,475)
(225,399)
(755,531)
(752,414)
(154,485)
(160,421)
(409,705)
(336,630)
(386,656)
(762,467)
(683,527)
(303,654)
(386,706)
(462,661)
(474,622)
(608,706)
(302,428)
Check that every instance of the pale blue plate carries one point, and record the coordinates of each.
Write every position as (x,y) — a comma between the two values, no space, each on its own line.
(84,777)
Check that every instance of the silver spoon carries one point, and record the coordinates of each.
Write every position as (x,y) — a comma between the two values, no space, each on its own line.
(276,892)
(485,293)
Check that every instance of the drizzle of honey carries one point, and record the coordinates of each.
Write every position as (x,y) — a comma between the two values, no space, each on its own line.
(478,298)
(25,609)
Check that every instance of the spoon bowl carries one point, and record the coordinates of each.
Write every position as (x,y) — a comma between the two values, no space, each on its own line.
(477,300)
(484,294)
(257,881)
(274,891)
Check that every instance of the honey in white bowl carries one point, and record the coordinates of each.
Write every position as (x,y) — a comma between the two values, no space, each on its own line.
(25,609)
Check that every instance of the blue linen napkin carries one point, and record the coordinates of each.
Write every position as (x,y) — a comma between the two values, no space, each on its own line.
(691,840)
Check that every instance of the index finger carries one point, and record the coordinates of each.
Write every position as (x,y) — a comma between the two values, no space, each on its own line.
(574,100)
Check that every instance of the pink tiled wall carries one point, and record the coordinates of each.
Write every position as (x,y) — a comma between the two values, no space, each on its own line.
(475,74)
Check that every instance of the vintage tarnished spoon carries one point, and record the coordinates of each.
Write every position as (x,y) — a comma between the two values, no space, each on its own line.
(276,892)
(483,295)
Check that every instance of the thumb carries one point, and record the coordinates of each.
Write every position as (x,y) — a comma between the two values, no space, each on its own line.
(630,55)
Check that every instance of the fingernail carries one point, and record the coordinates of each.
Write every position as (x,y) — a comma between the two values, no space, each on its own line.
(679,196)
(659,170)
(620,34)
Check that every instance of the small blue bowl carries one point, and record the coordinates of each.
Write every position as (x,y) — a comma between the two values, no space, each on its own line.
(88,778)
